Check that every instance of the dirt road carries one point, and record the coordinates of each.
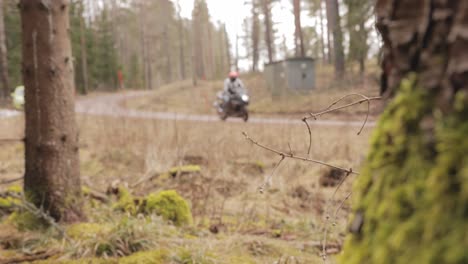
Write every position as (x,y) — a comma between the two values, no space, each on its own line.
(114,105)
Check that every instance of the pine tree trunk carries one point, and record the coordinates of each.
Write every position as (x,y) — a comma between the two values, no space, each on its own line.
(330,26)
(183,74)
(5,91)
(227,47)
(266,5)
(322,34)
(363,50)
(333,17)
(411,198)
(84,57)
(255,37)
(167,52)
(237,53)
(298,36)
(52,177)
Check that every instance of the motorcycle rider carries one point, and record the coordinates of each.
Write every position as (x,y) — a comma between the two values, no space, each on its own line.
(232,86)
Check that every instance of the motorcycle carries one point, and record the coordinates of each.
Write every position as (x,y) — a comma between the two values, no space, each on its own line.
(233,105)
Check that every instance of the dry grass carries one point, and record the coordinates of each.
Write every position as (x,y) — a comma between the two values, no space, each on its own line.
(283,221)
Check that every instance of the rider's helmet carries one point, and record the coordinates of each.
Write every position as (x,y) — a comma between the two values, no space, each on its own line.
(233,75)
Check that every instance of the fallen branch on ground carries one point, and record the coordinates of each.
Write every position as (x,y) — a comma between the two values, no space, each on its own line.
(40,213)
(30,258)
(4,182)
(147,177)
(10,140)
(102,197)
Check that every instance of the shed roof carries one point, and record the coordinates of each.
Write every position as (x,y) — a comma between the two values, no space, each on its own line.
(291,59)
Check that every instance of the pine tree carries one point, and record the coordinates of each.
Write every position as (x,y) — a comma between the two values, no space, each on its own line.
(410,201)
(52,175)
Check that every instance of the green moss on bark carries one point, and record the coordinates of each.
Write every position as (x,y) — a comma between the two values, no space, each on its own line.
(413,190)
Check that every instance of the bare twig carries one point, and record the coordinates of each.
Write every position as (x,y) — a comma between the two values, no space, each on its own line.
(330,108)
(335,216)
(290,149)
(324,254)
(262,188)
(292,156)
(310,135)
(40,213)
(327,215)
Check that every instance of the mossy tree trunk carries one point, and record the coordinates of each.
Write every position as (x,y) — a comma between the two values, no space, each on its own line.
(411,199)
(52,179)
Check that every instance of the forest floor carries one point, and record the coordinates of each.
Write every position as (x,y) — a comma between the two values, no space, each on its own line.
(215,169)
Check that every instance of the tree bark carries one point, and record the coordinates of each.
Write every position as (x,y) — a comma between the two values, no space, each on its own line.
(255,36)
(330,26)
(84,57)
(181,42)
(5,91)
(52,177)
(298,36)
(333,16)
(322,34)
(236,62)
(410,200)
(266,8)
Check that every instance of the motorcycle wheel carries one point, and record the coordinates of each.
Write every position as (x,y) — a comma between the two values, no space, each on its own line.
(223,117)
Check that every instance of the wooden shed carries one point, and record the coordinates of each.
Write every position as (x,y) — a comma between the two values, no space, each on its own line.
(295,75)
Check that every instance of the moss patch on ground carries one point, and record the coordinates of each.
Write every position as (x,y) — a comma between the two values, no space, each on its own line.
(171,206)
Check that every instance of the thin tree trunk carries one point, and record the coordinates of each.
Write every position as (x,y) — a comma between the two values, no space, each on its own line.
(268,29)
(330,26)
(363,50)
(322,33)
(167,52)
(181,42)
(4,92)
(298,36)
(143,49)
(52,177)
(84,59)
(237,53)
(334,23)
(255,36)
(228,48)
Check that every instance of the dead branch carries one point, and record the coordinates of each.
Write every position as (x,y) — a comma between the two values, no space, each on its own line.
(330,108)
(310,135)
(98,195)
(327,215)
(40,213)
(4,182)
(30,258)
(292,156)
(268,179)
(335,216)
(146,177)
(11,140)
